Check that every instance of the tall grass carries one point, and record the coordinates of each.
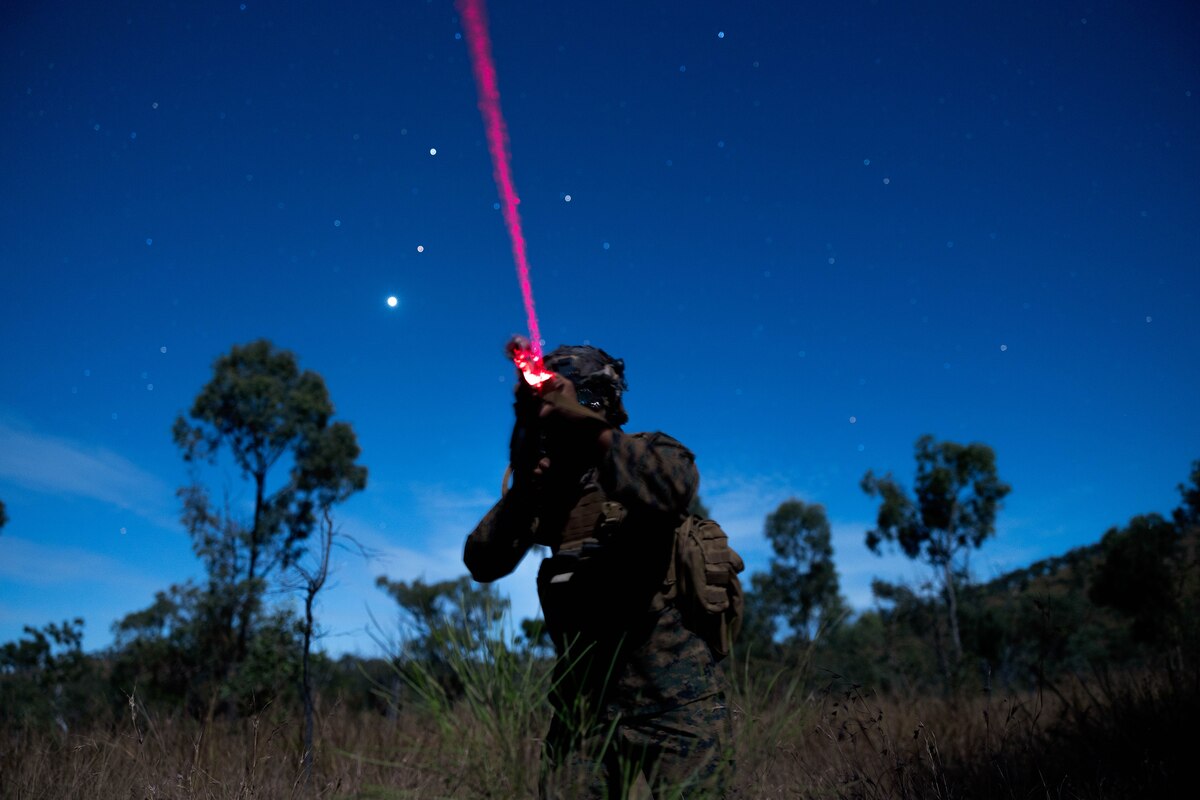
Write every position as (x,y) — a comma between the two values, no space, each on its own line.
(488,706)
(1107,736)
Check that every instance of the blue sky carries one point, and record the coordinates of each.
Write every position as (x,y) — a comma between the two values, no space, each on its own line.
(814,234)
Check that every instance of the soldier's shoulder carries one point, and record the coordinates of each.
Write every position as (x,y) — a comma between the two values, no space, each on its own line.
(657,437)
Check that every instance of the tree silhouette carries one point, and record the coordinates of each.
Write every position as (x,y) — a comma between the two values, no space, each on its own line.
(214,643)
(260,408)
(957,494)
(41,677)
(801,584)
(1187,516)
(1139,576)
(309,576)
(535,637)
(444,623)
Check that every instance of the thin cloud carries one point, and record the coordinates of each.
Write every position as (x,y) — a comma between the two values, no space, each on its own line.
(42,583)
(60,466)
(448,514)
(47,566)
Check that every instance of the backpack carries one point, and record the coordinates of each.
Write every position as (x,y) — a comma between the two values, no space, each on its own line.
(702,582)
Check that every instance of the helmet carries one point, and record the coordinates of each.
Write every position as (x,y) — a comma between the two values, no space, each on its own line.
(599,378)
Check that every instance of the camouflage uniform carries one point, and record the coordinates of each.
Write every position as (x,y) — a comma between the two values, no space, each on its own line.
(635,691)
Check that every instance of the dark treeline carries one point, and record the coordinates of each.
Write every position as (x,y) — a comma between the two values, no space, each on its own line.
(1127,602)
(240,640)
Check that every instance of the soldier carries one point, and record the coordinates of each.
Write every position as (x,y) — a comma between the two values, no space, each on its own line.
(635,692)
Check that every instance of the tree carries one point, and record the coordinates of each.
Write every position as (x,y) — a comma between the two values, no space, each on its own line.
(3,516)
(260,408)
(311,573)
(313,579)
(1187,523)
(1187,516)
(42,677)
(759,621)
(435,613)
(159,650)
(535,638)
(907,620)
(274,421)
(801,584)
(443,622)
(957,493)
(1139,576)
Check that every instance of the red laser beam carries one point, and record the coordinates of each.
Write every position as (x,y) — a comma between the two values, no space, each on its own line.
(479,45)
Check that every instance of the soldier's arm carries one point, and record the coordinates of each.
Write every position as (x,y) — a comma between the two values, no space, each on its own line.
(502,537)
(648,471)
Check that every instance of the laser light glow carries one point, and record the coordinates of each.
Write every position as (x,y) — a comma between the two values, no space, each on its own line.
(530,364)
(474,22)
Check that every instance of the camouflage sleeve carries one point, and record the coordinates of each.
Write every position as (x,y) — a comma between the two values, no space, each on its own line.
(501,539)
(650,472)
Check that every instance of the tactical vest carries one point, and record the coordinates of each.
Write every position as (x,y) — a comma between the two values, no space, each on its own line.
(583,588)
(595,583)
(591,521)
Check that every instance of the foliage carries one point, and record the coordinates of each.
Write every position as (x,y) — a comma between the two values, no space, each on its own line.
(1138,575)
(158,650)
(801,585)
(259,407)
(444,621)
(535,638)
(311,578)
(218,645)
(487,699)
(45,678)
(757,638)
(957,494)
(1187,516)
(890,647)
(1114,735)
(1108,632)
(171,654)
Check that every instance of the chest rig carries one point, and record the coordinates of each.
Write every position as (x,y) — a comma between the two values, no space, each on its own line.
(588,524)
(580,583)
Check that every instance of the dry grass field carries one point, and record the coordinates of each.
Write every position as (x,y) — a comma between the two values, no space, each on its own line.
(1102,739)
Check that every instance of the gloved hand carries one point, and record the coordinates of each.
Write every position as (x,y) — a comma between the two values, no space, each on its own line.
(552,433)
(526,446)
